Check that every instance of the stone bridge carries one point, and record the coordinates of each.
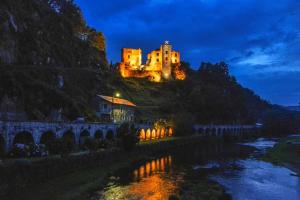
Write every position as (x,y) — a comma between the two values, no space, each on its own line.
(37,132)
(221,130)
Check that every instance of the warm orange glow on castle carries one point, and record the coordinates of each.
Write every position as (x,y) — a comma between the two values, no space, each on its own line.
(163,63)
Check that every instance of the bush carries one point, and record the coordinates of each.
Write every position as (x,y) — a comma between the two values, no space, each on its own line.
(91,144)
(110,135)
(32,150)
(128,136)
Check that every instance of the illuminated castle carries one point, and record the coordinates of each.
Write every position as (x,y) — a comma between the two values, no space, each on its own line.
(163,63)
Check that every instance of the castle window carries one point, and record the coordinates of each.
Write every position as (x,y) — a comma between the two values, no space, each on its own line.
(175,60)
(157,60)
(166,58)
(175,54)
(128,56)
(157,54)
(167,52)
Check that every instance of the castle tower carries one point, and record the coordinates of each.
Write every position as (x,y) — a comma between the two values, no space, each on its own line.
(166,50)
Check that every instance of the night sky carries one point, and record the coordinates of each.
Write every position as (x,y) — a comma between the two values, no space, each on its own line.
(259,39)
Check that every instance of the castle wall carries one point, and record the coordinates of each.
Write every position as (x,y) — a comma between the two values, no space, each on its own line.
(132,57)
(158,65)
(175,57)
(154,61)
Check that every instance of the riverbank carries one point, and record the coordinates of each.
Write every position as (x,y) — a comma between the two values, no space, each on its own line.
(91,172)
(286,153)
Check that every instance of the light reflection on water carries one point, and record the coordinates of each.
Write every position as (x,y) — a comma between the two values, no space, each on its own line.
(151,181)
(236,167)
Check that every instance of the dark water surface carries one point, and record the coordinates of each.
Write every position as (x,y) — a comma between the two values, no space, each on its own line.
(235,166)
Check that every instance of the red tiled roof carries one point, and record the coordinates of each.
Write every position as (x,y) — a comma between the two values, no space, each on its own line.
(115,100)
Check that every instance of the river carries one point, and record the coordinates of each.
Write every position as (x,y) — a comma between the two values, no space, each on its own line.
(236,167)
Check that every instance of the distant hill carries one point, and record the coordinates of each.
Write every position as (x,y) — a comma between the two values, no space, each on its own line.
(293,108)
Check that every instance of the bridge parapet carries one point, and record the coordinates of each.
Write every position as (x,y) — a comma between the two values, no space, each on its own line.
(221,130)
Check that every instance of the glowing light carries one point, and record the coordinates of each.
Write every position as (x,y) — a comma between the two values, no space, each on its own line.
(142,135)
(118,94)
(148,134)
(131,65)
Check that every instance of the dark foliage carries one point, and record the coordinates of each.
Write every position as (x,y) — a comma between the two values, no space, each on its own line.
(43,32)
(278,122)
(128,136)
(110,135)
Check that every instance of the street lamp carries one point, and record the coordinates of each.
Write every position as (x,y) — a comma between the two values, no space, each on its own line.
(117,94)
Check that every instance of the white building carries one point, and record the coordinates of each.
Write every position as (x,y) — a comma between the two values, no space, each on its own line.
(112,109)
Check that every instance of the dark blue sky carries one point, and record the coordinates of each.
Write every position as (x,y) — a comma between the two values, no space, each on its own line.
(259,39)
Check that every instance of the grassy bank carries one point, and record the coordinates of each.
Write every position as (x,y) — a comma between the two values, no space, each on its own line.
(286,152)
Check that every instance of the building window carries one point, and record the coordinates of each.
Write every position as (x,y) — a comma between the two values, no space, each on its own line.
(176,60)
(157,54)
(104,106)
(128,56)
(166,58)
(167,52)
(175,54)
(157,60)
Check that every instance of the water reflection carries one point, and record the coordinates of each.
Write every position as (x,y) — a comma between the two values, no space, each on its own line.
(237,167)
(151,181)
(260,180)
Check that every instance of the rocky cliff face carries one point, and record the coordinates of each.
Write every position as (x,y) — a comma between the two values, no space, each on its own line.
(42,42)
(47,32)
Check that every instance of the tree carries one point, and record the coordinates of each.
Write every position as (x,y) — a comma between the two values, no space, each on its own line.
(183,124)
(128,135)
(97,40)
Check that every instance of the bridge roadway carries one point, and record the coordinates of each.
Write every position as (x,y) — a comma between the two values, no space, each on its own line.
(11,131)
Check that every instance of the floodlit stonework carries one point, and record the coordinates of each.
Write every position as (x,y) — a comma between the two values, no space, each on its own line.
(161,64)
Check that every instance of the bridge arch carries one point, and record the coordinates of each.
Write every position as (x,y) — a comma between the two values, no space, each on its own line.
(2,146)
(47,138)
(98,134)
(83,136)
(69,139)
(171,132)
(157,133)
(163,133)
(200,131)
(153,134)
(109,134)
(142,135)
(23,137)
(148,134)
(207,131)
